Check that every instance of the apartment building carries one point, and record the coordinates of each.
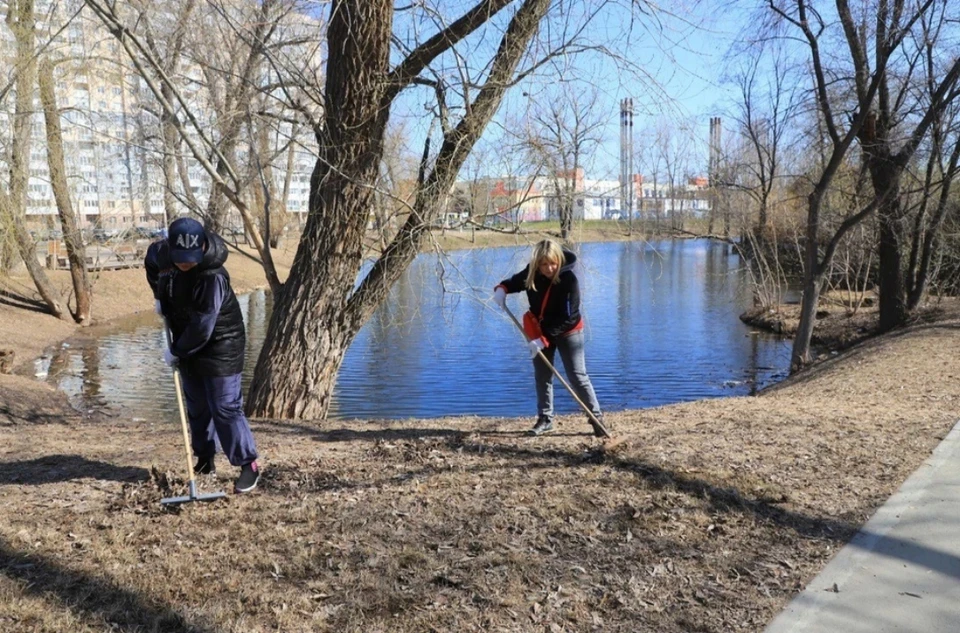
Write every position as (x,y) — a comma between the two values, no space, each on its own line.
(111,132)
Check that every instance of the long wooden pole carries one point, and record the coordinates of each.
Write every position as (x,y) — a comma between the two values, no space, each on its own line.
(183,415)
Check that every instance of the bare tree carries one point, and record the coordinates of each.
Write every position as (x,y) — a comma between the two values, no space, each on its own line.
(76,249)
(650,160)
(269,201)
(225,176)
(563,129)
(169,48)
(674,154)
(937,199)
(231,62)
(763,113)
(887,140)
(841,131)
(394,188)
(13,202)
(322,305)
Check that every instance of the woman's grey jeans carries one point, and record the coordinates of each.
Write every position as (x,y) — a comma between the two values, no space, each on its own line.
(574,365)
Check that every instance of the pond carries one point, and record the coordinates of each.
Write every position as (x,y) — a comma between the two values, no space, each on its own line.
(662,326)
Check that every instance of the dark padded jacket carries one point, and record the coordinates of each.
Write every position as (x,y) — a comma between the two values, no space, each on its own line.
(201,309)
(562,314)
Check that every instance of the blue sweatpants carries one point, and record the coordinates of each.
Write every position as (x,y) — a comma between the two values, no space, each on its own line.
(215,411)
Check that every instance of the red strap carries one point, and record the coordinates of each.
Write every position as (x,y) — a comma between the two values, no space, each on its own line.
(543,304)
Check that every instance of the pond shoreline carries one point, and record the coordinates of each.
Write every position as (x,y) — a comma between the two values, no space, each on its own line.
(121,293)
(839,325)
(639,351)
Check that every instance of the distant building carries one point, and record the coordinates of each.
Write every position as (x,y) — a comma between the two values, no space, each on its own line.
(501,200)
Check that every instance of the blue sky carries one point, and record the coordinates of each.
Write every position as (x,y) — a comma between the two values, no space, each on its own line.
(674,74)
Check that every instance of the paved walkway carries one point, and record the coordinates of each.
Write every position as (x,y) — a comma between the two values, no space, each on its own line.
(901,572)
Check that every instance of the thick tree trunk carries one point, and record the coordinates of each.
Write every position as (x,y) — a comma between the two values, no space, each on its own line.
(76,250)
(893,307)
(885,175)
(321,308)
(21,20)
(310,328)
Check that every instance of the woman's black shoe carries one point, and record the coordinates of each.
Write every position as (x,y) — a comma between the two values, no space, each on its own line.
(543,426)
(205,466)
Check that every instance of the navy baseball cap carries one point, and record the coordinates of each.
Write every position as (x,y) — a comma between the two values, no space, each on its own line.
(186,238)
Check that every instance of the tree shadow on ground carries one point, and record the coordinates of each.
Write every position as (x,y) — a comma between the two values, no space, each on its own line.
(723,498)
(91,597)
(375,434)
(718,496)
(14,416)
(22,302)
(58,468)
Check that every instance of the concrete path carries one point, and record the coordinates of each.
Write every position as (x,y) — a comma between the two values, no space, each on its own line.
(901,572)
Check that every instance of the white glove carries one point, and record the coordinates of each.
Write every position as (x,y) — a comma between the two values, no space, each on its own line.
(169,358)
(157,308)
(535,346)
(500,297)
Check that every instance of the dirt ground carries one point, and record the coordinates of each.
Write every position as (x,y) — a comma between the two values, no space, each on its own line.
(707,516)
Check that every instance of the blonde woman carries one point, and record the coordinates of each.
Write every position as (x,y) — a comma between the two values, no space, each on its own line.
(553,324)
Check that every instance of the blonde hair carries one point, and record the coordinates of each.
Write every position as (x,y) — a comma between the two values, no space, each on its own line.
(544,250)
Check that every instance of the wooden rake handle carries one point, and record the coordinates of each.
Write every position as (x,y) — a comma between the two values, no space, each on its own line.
(183,414)
(540,353)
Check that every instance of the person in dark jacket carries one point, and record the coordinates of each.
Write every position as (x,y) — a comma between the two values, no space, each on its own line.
(554,296)
(193,294)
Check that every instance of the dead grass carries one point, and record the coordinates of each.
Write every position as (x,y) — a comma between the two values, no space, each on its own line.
(709,518)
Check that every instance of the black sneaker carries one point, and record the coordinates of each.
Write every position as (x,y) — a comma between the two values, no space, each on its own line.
(543,426)
(205,466)
(249,476)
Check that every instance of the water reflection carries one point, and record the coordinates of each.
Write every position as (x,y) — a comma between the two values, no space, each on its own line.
(661,327)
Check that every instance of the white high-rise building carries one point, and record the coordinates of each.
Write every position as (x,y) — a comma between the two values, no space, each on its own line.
(111,134)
